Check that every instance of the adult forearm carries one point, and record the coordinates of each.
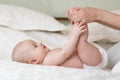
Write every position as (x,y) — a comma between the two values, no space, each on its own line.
(108,18)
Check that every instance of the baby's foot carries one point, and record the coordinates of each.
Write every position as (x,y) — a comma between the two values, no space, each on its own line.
(69,12)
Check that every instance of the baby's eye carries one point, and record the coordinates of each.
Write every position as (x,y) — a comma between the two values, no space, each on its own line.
(35,45)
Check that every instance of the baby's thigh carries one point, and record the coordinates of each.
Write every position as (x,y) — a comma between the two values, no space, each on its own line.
(80,51)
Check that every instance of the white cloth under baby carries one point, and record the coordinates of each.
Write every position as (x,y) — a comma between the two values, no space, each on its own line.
(103,64)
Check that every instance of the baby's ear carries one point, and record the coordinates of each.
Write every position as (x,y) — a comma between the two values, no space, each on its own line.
(33,61)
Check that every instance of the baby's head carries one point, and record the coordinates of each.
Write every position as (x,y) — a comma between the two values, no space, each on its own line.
(29,51)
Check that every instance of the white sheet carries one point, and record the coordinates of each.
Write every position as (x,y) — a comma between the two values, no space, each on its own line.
(18,71)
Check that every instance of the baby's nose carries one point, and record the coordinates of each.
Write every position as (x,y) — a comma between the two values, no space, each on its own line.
(42,45)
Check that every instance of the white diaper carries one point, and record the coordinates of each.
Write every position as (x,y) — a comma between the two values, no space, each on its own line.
(104,59)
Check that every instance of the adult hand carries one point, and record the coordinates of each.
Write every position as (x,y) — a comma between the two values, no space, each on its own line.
(82,15)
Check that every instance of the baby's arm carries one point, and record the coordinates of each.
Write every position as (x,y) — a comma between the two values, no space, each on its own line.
(69,48)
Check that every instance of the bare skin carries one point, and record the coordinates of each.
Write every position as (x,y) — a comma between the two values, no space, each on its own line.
(89,14)
(76,52)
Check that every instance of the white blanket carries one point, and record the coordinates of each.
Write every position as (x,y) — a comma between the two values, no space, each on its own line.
(18,71)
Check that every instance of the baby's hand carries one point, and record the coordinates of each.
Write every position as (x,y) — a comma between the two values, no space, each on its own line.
(77,30)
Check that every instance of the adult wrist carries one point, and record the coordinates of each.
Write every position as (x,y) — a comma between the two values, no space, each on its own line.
(98,15)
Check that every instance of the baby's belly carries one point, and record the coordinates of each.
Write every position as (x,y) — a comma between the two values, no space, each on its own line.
(73,62)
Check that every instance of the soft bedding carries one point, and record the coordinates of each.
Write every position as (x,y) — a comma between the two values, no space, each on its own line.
(19,71)
(10,70)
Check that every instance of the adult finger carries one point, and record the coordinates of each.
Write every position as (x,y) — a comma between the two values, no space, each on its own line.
(67,13)
(76,9)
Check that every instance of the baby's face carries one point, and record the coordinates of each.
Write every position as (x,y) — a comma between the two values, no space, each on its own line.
(37,50)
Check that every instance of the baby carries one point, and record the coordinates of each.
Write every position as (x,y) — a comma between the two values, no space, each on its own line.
(77,52)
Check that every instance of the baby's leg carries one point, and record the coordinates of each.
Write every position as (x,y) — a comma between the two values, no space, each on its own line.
(88,53)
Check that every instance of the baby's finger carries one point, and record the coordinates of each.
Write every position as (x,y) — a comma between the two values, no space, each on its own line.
(82,22)
(77,24)
(82,27)
(77,20)
(84,30)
